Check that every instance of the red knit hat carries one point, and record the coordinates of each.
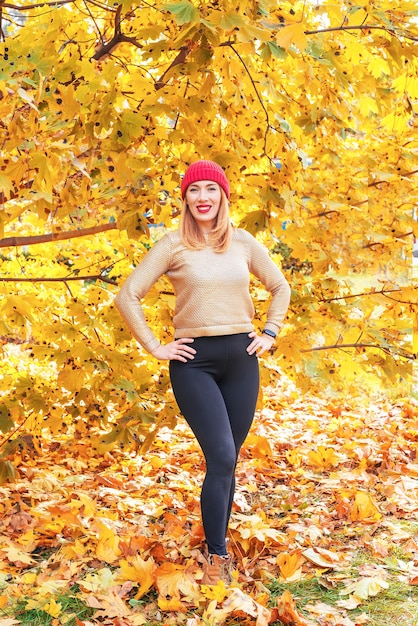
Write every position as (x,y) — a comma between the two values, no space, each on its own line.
(204,170)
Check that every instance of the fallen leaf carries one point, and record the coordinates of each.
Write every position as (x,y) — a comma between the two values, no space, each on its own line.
(140,571)
(364,509)
(286,612)
(323,558)
(290,565)
(366,587)
(174,581)
(237,602)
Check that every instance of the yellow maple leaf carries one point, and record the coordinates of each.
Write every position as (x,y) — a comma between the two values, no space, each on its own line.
(108,549)
(368,105)
(53,608)
(323,457)
(292,34)
(293,457)
(379,67)
(5,184)
(139,570)
(28,578)
(215,592)
(364,509)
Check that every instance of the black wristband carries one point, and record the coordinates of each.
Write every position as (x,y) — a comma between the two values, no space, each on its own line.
(269,332)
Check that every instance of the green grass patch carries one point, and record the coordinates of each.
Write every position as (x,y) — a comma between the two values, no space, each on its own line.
(396,605)
(71,607)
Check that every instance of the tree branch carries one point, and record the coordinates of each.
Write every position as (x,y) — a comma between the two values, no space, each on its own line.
(118,37)
(359,295)
(37,5)
(14,242)
(361,27)
(261,101)
(180,58)
(382,292)
(64,279)
(376,346)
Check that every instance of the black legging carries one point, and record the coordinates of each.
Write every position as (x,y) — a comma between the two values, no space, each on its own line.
(217,394)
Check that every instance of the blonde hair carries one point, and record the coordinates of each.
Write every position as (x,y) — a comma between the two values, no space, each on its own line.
(221,234)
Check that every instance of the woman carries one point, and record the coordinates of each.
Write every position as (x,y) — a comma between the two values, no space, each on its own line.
(213,358)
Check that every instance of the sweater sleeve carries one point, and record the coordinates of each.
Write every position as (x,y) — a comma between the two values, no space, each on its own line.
(155,263)
(262,266)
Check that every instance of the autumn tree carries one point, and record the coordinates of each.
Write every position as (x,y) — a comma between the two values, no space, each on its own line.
(311,108)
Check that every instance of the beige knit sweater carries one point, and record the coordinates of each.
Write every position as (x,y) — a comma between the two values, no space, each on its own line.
(212,289)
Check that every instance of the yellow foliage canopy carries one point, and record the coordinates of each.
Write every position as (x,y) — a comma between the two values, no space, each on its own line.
(312,111)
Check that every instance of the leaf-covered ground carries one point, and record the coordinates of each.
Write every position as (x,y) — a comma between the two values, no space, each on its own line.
(324,529)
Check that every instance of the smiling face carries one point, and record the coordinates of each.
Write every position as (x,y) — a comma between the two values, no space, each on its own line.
(203,200)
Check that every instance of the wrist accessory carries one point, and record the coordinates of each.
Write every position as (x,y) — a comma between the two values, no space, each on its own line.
(270,333)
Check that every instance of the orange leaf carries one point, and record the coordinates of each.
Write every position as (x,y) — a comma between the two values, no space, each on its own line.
(173,580)
(287,613)
(171,604)
(289,564)
(261,446)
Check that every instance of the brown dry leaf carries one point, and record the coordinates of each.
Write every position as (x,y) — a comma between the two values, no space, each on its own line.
(18,523)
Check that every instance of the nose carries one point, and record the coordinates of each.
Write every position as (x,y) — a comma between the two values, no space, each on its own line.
(203,194)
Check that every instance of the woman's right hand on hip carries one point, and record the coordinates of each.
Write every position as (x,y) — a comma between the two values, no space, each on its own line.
(178,350)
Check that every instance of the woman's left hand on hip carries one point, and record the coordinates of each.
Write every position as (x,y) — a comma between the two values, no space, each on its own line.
(260,343)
